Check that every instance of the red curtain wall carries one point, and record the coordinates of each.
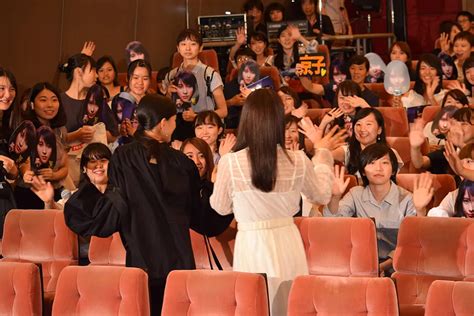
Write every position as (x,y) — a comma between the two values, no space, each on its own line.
(423,18)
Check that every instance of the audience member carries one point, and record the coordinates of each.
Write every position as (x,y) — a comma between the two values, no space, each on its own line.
(247,181)
(107,75)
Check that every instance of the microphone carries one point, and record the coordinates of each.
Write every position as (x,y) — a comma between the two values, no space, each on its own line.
(65,194)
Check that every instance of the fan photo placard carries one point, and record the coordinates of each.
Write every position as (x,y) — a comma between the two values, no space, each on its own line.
(187,92)
(22,142)
(44,153)
(313,64)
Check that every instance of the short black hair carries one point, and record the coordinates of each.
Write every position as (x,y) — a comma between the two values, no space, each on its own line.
(250,4)
(190,34)
(359,60)
(374,152)
(245,51)
(274,6)
(464,35)
(466,14)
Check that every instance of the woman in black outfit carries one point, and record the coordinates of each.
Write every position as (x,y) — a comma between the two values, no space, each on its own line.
(152,199)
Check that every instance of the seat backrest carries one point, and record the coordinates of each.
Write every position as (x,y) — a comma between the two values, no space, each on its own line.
(123,291)
(326,295)
(205,292)
(396,121)
(433,246)
(402,146)
(223,246)
(430,249)
(352,182)
(442,184)
(20,290)
(207,57)
(38,235)
(450,298)
(429,112)
(107,251)
(339,246)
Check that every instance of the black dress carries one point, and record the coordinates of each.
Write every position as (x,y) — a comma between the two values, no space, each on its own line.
(7,201)
(152,206)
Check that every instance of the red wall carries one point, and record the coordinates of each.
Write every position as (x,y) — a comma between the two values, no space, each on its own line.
(423,18)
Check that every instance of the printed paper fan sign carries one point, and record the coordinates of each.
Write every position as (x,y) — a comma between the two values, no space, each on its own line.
(187,92)
(377,68)
(44,153)
(22,141)
(397,78)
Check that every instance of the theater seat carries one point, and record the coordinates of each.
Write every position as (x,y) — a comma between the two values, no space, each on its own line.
(223,246)
(204,292)
(396,121)
(20,289)
(40,236)
(429,112)
(99,290)
(107,251)
(442,184)
(339,246)
(446,298)
(402,146)
(430,249)
(207,57)
(323,295)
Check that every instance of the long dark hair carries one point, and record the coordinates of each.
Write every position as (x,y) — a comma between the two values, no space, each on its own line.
(468,63)
(76,61)
(262,108)
(96,95)
(204,148)
(151,110)
(279,58)
(465,185)
(30,114)
(404,47)
(49,138)
(354,145)
(432,61)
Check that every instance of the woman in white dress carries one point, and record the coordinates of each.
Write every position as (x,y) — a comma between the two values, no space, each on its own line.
(261,182)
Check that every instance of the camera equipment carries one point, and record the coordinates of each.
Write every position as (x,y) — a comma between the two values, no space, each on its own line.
(216,28)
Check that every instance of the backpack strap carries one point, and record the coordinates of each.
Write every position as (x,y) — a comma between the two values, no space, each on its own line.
(208,80)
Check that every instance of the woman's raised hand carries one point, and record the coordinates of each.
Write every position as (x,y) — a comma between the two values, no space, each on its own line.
(340,185)
(422,192)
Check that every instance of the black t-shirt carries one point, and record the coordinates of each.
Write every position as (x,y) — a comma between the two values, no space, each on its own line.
(438,163)
(371,98)
(231,89)
(330,92)
(73,110)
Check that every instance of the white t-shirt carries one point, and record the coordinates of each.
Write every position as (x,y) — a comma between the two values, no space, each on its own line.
(202,73)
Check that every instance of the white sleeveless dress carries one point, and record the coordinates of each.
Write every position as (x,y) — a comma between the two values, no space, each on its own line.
(267,240)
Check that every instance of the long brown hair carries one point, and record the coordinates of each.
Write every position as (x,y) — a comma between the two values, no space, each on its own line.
(204,148)
(261,129)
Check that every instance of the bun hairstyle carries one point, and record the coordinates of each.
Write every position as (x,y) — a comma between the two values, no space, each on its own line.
(76,61)
(151,110)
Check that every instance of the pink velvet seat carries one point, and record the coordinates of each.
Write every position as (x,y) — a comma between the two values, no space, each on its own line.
(204,292)
(40,236)
(107,251)
(449,298)
(326,295)
(20,289)
(100,290)
(339,246)
(430,249)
